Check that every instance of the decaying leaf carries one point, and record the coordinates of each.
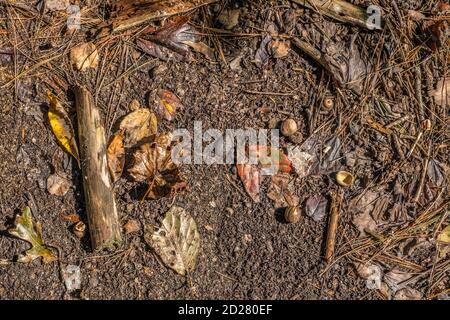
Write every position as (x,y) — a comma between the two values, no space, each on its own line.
(302,160)
(168,42)
(167,104)
(202,48)
(281,191)
(58,185)
(316,206)
(441,94)
(153,163)
(61,126)
(177,241)
(25,230)
(116,156)
(362,208)
(137,125)
(84,56)
(250,177)
(408,294)
(278,49)
(262,54)
(435,173)
(444,236)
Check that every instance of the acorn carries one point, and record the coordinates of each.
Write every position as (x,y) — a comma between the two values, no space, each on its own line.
(328,102)
(289,127)
(345,179)
(79,229)
(292,214)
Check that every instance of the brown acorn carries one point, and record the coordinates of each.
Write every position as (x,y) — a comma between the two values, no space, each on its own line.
(79,229)
(292,214)
(289,127)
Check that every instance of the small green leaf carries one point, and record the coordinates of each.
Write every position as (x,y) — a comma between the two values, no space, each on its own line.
(25,230)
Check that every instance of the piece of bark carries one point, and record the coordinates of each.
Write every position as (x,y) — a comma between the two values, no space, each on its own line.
(101,206)
(131,13)
(339,10)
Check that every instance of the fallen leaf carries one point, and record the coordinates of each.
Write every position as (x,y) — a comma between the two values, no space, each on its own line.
(229,18)
(167,104)
(441,94)
(25,230)
(408,294)
(56,5)
(58,185)
(250,177)
(278,49)
(202,48)
(137,125)
(153,163)
(316,206)
(84,56)
(444,236)
(281,191)
(168,42)
(262,54)
(132,226)
(434,173)
(177,241)
(362,208)
(116,156)
(61,126)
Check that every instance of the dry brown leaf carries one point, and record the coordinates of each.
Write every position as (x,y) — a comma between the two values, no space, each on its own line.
(441,94)
(84,56)
(202,48)
(316,206)
(282,191)
(58,185)
(278,49)
(116,156)
(137,125)
(153,163)
(167,104)
(168,42)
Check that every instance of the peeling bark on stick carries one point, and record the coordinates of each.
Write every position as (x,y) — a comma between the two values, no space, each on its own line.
(127,14)
(339,10)
(101,206)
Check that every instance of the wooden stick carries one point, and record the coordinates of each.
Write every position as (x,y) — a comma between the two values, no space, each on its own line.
(131,13)
(101,207)
(339,10)
(332,228)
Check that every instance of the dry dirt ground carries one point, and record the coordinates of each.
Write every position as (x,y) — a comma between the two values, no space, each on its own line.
(248,251)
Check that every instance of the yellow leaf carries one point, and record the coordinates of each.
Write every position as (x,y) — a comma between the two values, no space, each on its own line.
(61,127)
(116,156)
(445,235)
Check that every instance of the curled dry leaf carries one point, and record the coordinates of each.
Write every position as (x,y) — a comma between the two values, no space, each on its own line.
(441,94)
(434,173)
(278,49)
(362,206)
(177,241)
(58,185)
(316,206)
(137,125)
(167,104)
(25,230)
(61,126)
(84,56)
(153,163)
(281,191)
(168,42)
(250,177)
(116,156)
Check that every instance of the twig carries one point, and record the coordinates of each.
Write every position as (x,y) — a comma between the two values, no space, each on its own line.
(423,176)
(332,228)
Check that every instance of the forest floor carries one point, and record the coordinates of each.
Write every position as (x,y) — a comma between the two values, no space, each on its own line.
(376,106)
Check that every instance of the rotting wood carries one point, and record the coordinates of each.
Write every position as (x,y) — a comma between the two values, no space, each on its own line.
(101,206)
(339,10)
(127,14)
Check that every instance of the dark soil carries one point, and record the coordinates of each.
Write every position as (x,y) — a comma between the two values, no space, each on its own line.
(247,250)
